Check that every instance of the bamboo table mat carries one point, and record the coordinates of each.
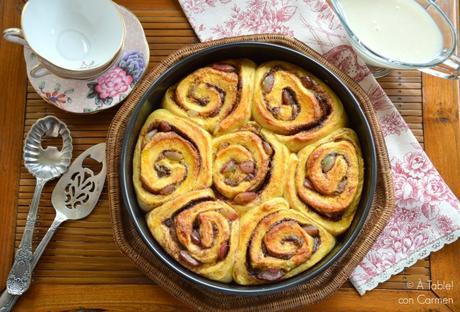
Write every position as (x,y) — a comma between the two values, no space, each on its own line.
(83,252)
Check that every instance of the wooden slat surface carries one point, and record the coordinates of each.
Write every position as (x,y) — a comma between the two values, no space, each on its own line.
(83,252)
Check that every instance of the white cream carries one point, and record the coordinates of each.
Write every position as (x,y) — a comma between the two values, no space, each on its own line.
(400,30)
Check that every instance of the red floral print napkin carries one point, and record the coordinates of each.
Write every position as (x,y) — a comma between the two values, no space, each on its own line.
(427,214)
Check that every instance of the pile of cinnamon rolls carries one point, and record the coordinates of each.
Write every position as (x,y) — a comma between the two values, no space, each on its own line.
(248,173)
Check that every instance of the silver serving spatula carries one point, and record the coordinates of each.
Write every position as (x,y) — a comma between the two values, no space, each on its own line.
(74,197)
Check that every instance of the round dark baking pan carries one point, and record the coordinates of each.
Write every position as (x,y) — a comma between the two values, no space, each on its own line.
(258,52)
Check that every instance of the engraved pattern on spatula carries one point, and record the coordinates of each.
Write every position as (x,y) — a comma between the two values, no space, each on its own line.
(78,191)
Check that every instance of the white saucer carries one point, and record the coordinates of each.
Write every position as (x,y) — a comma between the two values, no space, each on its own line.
(105,91)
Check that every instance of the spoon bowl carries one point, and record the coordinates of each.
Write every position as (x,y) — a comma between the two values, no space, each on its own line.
(50,162)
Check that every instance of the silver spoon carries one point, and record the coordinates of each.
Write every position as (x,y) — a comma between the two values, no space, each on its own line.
(74,197)
(45,164)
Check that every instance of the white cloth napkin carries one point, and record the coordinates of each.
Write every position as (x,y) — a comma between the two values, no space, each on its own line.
(427,214)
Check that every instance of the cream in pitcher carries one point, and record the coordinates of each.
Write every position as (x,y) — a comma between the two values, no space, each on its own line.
(401,30)
(401,34)
(397,29)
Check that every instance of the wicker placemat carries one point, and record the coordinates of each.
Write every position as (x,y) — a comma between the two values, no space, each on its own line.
(320,287)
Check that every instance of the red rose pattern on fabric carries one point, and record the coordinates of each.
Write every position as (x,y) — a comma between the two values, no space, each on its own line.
(420,193)
(325,15)
(392,123)
(199,6)
(416,165)
(446,225)
(345,58)
(427,213)
(257,17)
(379,98)
(430,210)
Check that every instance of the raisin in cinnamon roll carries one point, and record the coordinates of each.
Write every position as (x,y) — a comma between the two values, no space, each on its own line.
(294,104)
(217,97)
(326,179)
(199,231)
(172,156)
(277,243)
(249,167)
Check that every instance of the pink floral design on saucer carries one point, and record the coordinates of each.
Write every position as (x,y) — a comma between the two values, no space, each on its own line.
(118,80)
(105,91)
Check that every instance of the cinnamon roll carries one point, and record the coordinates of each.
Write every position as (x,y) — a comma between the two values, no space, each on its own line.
(325,180)
(218,97)
(249,167)
(212,166)
(172,156)
(199,231)
(295,105)
(277,243)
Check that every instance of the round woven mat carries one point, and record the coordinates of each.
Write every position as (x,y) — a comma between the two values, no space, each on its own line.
(323,285)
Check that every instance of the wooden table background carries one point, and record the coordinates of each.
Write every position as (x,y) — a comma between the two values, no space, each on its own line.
(82,269)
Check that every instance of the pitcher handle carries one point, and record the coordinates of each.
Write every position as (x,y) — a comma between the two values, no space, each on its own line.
(38,71)
(14,35)
(449,69)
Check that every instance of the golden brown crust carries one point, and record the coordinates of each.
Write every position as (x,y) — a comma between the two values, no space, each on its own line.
(294,104)
(215,202)
(249,167)
(218,97)
(277,243)
(325,180)
(198,231)
(172,156)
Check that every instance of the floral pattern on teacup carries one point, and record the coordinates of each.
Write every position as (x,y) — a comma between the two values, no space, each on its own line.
(118,80)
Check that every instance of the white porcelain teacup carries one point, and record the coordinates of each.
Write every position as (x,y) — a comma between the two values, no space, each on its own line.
(72,38)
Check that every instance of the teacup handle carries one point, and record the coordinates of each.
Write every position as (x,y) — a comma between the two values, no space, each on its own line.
(449,69)
(38,71)
(14,35)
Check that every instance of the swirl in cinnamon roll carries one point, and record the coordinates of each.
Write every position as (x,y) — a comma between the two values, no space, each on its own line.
(217,97)
(249,167)
(277,243)
(325,181)
(172,156)
(295,105)
(199,231)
